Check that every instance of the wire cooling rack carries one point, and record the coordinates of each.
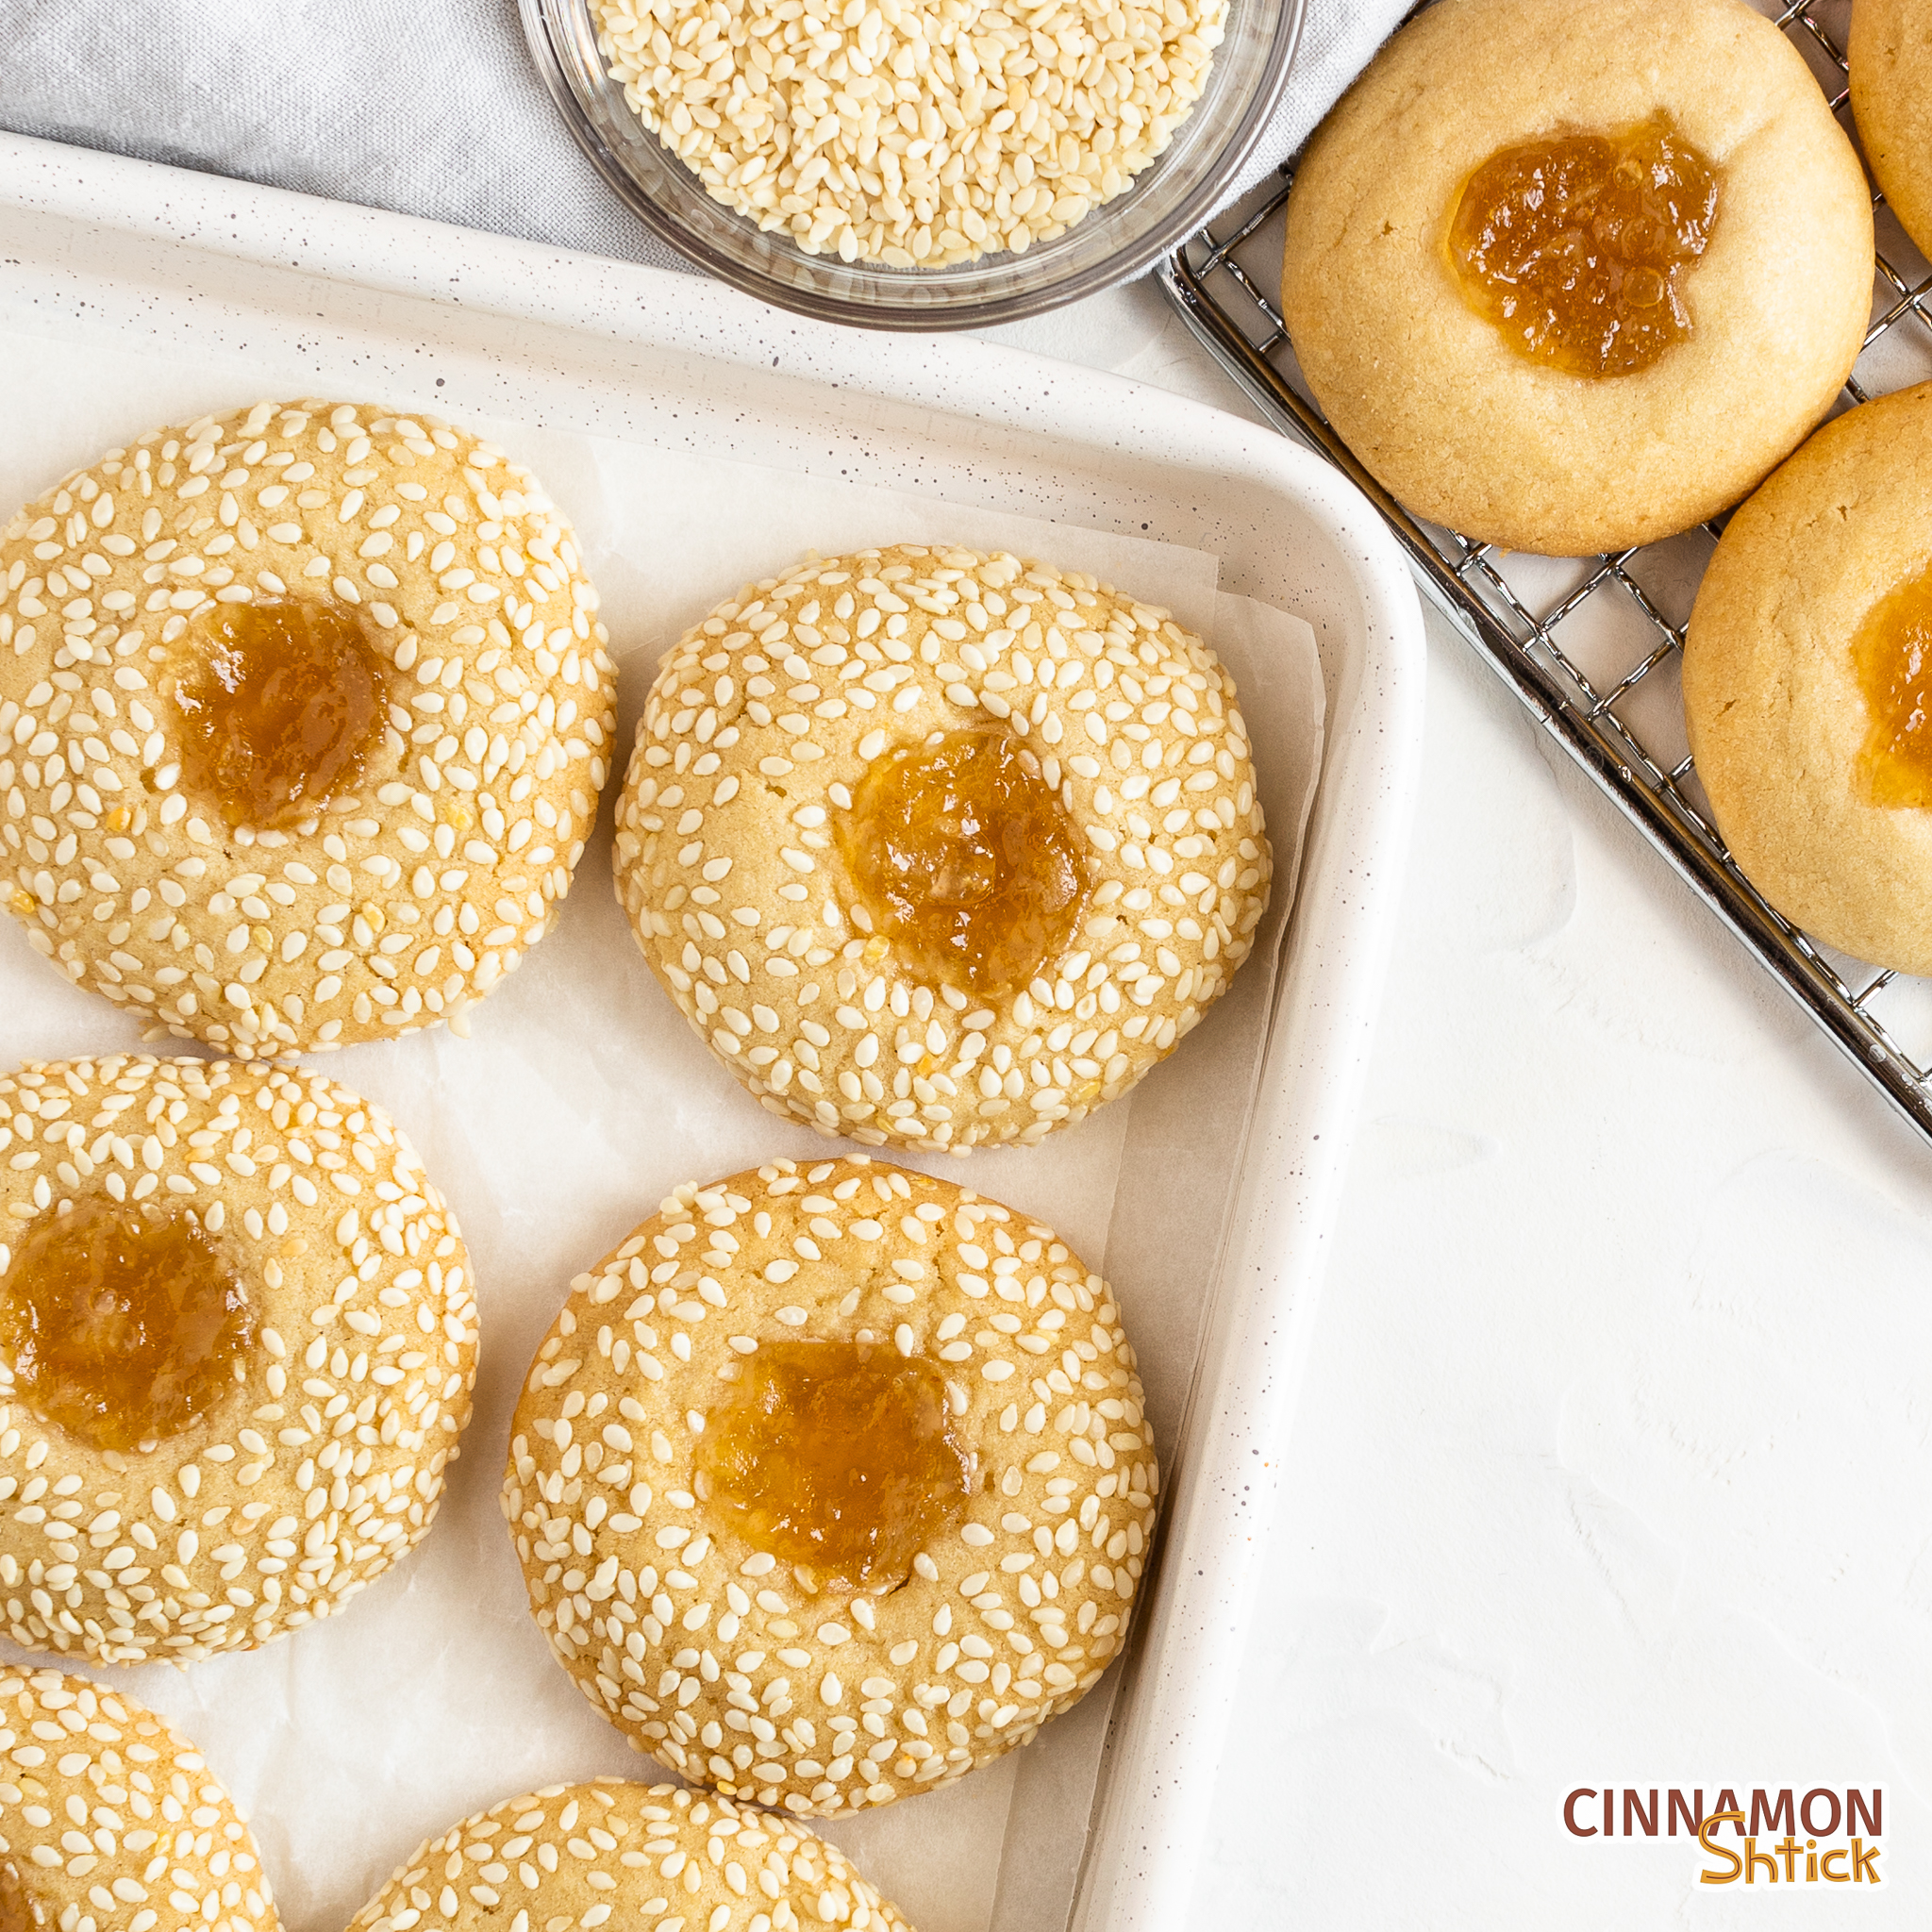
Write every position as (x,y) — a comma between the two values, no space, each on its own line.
(1593,646)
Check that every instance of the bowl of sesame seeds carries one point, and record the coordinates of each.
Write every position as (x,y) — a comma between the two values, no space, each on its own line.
(917,164)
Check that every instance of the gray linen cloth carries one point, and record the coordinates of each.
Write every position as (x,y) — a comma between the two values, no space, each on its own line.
(430,108)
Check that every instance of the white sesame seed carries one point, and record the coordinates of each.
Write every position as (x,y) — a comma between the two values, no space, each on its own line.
(896,134)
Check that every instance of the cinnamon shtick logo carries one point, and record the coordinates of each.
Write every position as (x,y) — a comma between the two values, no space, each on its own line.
(1828,1839)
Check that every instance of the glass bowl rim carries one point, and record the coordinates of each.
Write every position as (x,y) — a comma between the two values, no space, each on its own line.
(968,312)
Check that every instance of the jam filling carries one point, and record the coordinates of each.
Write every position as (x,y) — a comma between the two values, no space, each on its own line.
(1892,657)
(1576,246)
(123,1323)
(965,861)
(280,709)
(836,1457)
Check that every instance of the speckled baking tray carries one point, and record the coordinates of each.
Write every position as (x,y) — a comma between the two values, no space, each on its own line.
(266,292)
(1593,646)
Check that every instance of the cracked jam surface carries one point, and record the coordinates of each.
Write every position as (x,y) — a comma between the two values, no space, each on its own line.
(1893,656)
(1575,246)
(966,861)
(836,1457)
(123,1324)
(281,708)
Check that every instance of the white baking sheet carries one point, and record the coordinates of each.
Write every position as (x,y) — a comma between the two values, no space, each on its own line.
(579,1100)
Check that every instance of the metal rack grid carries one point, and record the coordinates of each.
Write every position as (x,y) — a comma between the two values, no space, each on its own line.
(1591,646)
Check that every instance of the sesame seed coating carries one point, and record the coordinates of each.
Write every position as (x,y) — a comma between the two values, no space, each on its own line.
(111,1821)
(401,901)
(751,1677)
(654,1857)
(765,717)
(327,1463)
(912,132)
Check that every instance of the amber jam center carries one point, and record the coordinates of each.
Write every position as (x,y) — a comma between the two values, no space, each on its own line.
(123,1323)
(836,1456)
(1892,657)
(966,860)
(280,709)
(1576,246)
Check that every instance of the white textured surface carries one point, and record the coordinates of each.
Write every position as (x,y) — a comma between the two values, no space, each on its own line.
(1613,1453)
(1612,1464)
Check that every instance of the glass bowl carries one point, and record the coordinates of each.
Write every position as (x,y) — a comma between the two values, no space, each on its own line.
(1169,198)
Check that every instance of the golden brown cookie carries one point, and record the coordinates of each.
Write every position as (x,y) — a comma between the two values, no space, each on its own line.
(237,1341)
(304,712)
(748,1599)
(1781,725)
(630,1855)
(939,849)
(1890,54)
(110,1819)
(1478,420)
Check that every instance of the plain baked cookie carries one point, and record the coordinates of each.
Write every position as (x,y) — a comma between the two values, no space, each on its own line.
(737,838)
(432,662)
(237,1340)
(1777,716)
(993,1602)
(110,1821)
(1890,54)
(1458,424)
(639,1856)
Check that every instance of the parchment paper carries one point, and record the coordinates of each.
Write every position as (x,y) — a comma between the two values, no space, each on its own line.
(580,1099)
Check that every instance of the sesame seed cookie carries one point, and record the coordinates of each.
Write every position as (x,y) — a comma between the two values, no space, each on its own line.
(734,857)
(645,1855)
(766,1676)
(1436,395)
(237,1343)
(403,619)
(1781,719)
(111,1821)
(1890,57)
